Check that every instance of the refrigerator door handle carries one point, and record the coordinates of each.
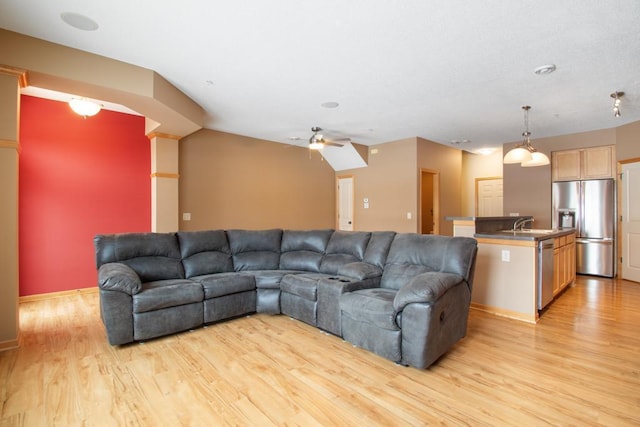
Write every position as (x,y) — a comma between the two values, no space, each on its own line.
(607,240)
(581,207)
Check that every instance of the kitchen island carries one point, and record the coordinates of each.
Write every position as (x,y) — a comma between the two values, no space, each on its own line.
(509,267)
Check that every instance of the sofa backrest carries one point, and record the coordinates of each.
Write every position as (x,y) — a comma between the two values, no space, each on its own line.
(412,254)
(303,250)
(343,248)
(205,252)
(255,249)
(153,256)
(378,247)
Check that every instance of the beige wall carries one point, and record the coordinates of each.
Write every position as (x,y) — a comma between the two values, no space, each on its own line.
(447,162)
(628,141)
(391,183)
(232,181)
(477,166)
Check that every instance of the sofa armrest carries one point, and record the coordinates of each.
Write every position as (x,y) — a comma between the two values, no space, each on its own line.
(360,270)
(425,288)
(115,276)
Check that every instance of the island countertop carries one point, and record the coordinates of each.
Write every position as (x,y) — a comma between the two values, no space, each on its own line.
(526,234)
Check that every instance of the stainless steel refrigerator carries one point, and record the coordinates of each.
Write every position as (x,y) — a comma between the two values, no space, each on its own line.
(589,207)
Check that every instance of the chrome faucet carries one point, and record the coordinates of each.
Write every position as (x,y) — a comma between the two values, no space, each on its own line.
(520,222)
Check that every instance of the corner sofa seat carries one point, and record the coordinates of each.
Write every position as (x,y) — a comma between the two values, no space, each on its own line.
(421,307)
(383,291)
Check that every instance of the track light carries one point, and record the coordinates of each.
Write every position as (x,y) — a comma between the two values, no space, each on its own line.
(616,103)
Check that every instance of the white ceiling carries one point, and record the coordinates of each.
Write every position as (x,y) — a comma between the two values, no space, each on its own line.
(441,70)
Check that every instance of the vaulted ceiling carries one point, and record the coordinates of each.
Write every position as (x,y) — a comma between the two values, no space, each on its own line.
(442,70)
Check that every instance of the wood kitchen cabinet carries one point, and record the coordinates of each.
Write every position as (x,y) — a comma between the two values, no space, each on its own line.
(585,163)
(564,262)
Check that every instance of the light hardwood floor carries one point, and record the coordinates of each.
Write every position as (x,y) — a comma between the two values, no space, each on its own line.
(580,365)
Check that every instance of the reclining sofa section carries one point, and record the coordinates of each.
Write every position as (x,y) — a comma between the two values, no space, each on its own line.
(404,296)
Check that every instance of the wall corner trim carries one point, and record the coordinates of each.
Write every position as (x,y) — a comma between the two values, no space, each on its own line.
(9,144)
(165,175)
(163,135)
(20,73)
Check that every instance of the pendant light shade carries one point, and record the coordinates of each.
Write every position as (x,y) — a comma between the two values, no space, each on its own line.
(518,155)
(537,159)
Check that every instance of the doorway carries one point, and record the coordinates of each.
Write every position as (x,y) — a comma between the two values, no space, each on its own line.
(344,203)
(429,202)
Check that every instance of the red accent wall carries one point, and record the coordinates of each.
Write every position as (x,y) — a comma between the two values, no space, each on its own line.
(78,178)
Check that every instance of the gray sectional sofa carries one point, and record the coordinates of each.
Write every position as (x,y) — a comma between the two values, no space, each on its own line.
(403,296)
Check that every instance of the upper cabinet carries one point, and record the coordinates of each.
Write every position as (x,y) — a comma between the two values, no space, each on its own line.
(585,163)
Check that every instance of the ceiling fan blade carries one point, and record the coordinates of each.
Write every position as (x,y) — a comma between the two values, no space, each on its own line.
(333,143)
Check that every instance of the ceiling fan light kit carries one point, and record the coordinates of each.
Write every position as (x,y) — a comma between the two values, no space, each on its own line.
(524,153)
(318,141)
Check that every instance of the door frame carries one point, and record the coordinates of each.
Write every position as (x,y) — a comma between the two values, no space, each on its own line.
(488,178)
(436,200)
(618,222)
(353,200)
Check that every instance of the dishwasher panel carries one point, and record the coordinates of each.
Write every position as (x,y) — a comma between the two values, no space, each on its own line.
(545,273)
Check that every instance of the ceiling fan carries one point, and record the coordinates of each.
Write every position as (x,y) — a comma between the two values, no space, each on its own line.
(318,141)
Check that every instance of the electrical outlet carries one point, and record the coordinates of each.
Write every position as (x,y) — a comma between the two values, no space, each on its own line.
(186,216)
(506,255)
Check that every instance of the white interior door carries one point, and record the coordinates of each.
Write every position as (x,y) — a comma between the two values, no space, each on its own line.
(489,197)
(345,203)
(631,221)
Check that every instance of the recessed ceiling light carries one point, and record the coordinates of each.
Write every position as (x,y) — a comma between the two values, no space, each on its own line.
(545,69)
(294,138)
(330,104)
(78,21)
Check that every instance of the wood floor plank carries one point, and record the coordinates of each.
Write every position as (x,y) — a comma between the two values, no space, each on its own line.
(580,365)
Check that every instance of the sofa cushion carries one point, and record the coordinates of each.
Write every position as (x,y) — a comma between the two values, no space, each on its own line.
(373,306)
(153,256)
(205,252)
(344,247)
(303,250)
(304,285)
(255,249)
(413,254)
(378,247)
(217,285)
(166,293)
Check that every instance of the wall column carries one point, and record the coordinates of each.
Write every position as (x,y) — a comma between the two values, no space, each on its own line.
(164,182)
(10,82)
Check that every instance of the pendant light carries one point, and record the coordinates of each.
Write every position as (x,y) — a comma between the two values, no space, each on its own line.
(524,153)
